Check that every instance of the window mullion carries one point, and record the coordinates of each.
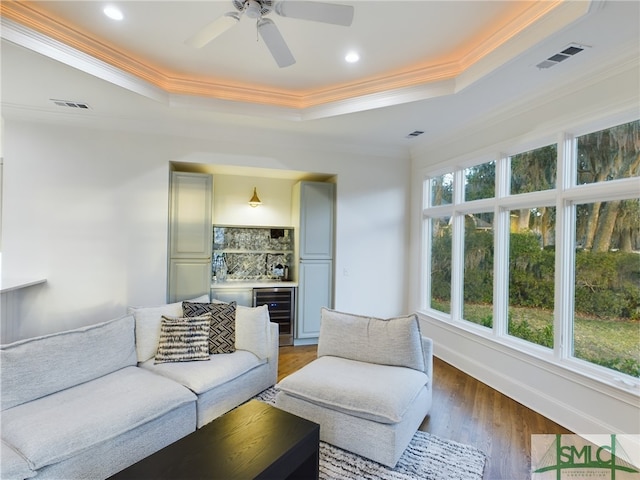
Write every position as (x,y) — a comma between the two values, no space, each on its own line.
(427,248)
(457,245)
(501,250)
(565,251)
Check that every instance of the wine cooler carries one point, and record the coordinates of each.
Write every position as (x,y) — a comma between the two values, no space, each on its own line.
(281,302)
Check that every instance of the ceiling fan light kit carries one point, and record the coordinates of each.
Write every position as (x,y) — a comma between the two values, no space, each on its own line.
(331,13)
(252,9)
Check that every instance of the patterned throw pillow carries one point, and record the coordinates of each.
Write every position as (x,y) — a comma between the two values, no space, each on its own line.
(222,333)
(183,339)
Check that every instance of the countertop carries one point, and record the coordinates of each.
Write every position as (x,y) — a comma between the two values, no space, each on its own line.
(229,284)
(12,284)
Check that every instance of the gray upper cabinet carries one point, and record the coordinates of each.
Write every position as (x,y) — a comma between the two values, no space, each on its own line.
(316,210)
(190,235)
(190,215)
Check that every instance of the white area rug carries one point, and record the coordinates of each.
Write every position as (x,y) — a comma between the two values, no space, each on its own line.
(427,457)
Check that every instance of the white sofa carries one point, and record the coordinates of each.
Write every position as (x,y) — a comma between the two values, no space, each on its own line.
(370,387)
(83,404)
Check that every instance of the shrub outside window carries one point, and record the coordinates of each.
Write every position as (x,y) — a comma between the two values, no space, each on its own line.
(441,264)
(532,275)
(606,323)
(478,269)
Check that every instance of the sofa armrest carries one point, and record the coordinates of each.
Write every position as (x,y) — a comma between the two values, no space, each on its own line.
(274,349)
(274,339)
(12,464)
(427,347)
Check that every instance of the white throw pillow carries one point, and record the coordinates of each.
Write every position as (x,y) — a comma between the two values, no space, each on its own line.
(252,330)
(148,321)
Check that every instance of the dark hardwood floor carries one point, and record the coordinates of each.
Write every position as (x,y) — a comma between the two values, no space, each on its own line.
(467,411)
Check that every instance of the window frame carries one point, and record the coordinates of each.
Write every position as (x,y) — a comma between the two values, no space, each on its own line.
(564,197)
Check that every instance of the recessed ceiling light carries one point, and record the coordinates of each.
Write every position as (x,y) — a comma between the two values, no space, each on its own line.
(113,13)
(352,57)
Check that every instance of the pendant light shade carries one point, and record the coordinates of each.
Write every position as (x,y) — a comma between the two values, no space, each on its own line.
(255,200)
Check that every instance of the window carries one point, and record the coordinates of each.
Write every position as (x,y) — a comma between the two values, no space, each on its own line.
(441,264)
(480,182)
(503,251)
(532,275)
(606,319)
(609,154)
(442,190)
(478,269)
(534,170)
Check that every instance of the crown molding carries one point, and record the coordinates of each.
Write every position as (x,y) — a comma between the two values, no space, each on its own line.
(26,25)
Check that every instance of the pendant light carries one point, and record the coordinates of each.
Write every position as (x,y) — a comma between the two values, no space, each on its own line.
(255,201)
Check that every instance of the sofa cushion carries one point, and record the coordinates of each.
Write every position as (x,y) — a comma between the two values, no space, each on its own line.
(252,330)
(222,332)
(380,393)
(12,465)
(36,367)
(183,339)
(394,341)
(59,426)
(200,377)
(148,325)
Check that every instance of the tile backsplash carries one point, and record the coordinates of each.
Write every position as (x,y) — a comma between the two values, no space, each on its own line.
(251,253)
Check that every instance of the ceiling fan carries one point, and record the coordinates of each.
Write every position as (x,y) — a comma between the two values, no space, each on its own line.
(258,9)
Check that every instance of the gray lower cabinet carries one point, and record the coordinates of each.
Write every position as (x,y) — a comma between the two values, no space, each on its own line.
(316,278)
(242,296)
(188,278)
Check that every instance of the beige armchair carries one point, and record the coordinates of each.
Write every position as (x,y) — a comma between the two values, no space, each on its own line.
(370,387)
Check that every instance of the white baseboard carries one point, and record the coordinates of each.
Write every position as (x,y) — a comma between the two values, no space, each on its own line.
(305,341)
(581,405)
(551,407)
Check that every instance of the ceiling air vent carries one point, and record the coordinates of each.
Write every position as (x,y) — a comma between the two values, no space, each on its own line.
(70,104)
(568,52)
(415,133)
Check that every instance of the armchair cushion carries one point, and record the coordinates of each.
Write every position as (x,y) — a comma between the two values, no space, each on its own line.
(394,341)
(380,393)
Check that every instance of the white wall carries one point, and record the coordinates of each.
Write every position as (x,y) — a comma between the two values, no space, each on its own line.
(231,194)
(570,398)
(87,209)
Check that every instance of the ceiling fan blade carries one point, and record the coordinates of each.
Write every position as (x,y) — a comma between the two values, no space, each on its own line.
(275,43)
(213,30)
(316,11)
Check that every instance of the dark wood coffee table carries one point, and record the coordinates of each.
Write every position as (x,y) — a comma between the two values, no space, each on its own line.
(254,441)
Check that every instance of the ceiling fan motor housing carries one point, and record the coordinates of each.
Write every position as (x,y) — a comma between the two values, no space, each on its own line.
(265,6)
